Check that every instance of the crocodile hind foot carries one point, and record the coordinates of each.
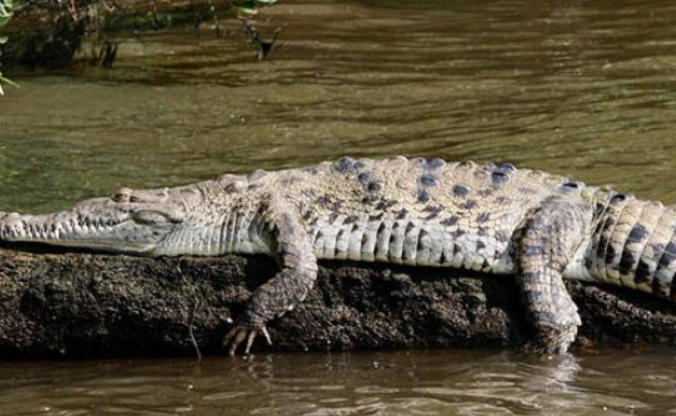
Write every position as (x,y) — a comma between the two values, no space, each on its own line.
(550,238)
(553,339)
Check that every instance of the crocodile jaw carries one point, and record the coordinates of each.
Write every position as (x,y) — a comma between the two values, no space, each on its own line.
(97,225)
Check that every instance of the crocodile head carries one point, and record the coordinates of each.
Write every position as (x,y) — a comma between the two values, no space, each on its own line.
(131,221)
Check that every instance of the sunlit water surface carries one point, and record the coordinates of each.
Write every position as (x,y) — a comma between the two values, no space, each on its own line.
(586,89)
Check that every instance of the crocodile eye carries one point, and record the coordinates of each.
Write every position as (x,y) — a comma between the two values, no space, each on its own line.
(150,217)
(122,195)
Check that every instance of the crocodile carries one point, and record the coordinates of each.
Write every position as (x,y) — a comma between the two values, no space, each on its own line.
(494,218)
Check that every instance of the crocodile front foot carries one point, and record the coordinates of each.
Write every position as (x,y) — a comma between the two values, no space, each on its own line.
(243,330)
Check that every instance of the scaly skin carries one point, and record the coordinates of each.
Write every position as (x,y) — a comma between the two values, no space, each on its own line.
(417,212)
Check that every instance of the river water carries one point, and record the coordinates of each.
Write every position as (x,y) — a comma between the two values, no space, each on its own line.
(586,89)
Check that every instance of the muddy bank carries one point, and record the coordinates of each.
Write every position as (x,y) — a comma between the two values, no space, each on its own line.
(79,305)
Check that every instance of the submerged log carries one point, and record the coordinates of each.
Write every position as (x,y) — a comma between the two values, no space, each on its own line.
(84,305)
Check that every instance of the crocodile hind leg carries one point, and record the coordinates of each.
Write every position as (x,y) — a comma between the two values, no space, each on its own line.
(289,287)
(550,238)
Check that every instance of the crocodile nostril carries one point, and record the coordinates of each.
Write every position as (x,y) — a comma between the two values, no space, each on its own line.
(122,195)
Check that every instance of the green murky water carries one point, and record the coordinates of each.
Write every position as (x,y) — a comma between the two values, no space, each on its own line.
(582,88)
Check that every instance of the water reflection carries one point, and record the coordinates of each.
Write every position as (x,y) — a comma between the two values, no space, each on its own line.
(405,382)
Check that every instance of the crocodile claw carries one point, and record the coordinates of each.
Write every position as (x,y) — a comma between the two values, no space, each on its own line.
(241,332)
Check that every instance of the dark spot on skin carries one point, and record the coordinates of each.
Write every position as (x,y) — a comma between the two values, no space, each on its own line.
(323,200)
(658,248)
(610,254)
(423,196)
(421,237)
(351,219)
(433,210)
(359,165)
(618,198)
(502,200)
(253,186)
(599,210)
(480,245)
(375,217)
(485,266)
(603,242)
(668,255)
(290,181)
(381,228)
(355,227)
(374,187)
(370,199)
(483,217)
(570,186)
(344,164)
(499,177)
(501,236)
(307,214)
(364,239)
(642,273)
(436,163)
(460,190)
(364,177)
(402,214)
(450,221)
(627,261)
(339,235)
(638,234)
(312,222)
(333,217)
(410,226)
(428,180)
(482,231)
(385,204)
(312,170)
(460,233)
(469,204)
(308,193)
(507,167)
(531,251)
(230,188)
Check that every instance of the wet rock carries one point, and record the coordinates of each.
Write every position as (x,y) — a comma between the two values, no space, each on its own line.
(83,305)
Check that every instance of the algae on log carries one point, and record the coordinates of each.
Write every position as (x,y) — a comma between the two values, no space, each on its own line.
(79,305)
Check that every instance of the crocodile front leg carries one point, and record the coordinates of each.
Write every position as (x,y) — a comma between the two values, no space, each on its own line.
(550,238)
(289,287)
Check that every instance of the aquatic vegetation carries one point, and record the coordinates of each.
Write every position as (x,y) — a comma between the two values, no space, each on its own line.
(7,8)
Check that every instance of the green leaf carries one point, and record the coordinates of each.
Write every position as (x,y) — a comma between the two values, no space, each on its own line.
(9,82)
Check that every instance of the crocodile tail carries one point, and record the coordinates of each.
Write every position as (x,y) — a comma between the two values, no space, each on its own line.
(634,245)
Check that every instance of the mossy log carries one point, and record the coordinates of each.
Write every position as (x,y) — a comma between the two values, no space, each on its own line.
(48,33)
(84,305)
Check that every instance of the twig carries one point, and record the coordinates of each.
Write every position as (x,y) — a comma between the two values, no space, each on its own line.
(264,46)
(196,306)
